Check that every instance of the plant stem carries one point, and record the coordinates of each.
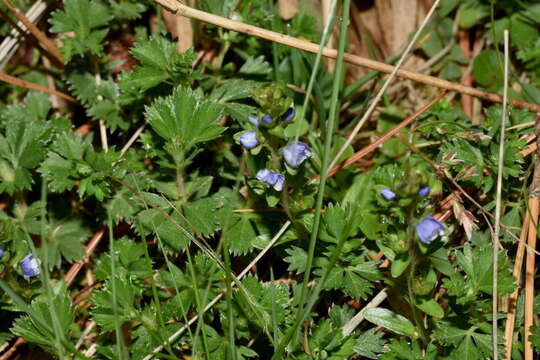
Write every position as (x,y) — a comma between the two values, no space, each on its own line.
(334,106)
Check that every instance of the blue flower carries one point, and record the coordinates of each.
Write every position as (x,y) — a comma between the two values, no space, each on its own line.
(249,140)
(429,229)
(267,119)
(1,253)
(30,266)
(277,181)
(424,191)
(296,153)
(388,194)
(289,114)
(253,119)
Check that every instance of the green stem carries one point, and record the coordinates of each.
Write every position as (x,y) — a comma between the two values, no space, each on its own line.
(410,274)
(334,106)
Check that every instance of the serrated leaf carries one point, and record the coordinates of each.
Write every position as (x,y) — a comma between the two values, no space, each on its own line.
(184,119)
(241,235)
(297,259)
(256,66)
(370,344)
(81,17)
(391,321)
(34,331)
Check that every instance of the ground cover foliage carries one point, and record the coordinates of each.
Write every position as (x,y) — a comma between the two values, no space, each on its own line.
(228,154)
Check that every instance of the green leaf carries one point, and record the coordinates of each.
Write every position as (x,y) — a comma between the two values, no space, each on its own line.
(183,119)
(297,259)
(400,264)
(391,321)
(64,240)
(403,349)
(355,286)
(370,344)
(256,66)
(22,147)
(471,12)
(81,17)
(127,10)
(159,64)
(487,70)
(468,343)
(34,332)
(429,306)
(126,294)
(241,235)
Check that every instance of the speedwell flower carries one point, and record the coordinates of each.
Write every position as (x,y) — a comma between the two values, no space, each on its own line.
(1,253)
(249,140)
(267,119)
(289,114)
(429,229)
(388,194)
(296,153)
(271,178)
(424,191)
(254,120)
(30,266)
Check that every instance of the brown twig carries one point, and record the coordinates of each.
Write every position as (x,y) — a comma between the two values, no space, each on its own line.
(512,300)
(187,11)
(534,196)
(360,154)
(47,44)
(90,247)
(32,86)
(12,350)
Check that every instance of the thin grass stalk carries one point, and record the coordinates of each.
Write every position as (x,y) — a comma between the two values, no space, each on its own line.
(122,354)
(44,275)
(334,256)
(215,300)
(167,262)
(498,205)
(162,330)
(381,92)
(198,303)
(315,70)
(333,112)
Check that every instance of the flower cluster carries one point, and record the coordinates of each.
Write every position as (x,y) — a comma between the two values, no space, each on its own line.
(294,154)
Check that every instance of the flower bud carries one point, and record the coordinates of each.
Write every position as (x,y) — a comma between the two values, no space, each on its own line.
(289,114)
